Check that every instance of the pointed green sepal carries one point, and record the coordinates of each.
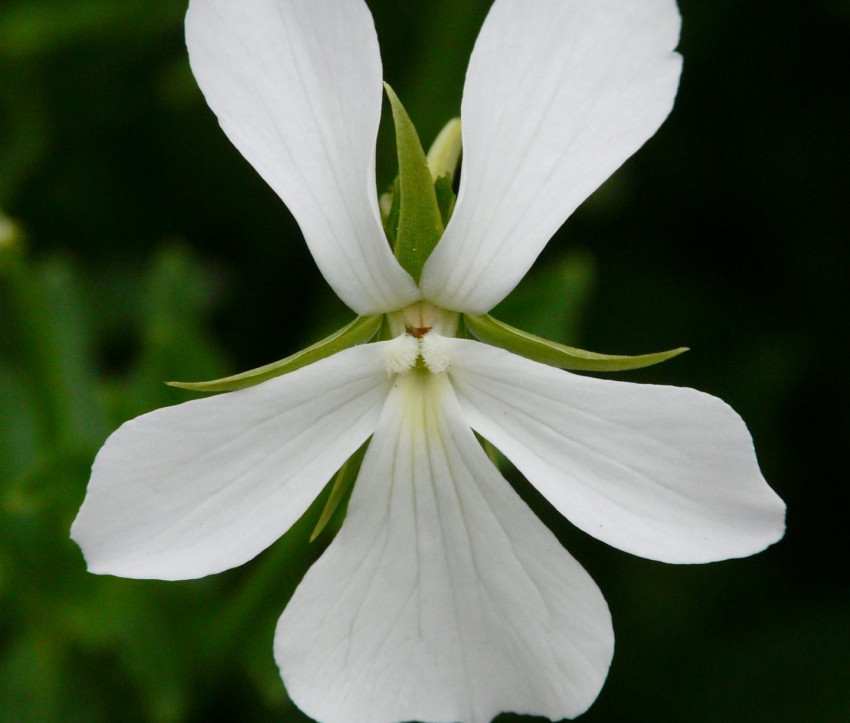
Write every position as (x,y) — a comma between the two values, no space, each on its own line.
(491,331)
(342,484)
(359,331)
(420,224)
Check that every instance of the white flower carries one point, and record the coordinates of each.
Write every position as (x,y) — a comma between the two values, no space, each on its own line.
(443,598)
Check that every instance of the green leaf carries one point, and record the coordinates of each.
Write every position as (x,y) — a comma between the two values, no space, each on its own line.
(491,331)
(343,482)
(11,238)
(38,28)
(420,224)
(43,308)
(179,292)
(359,331)
(21,437)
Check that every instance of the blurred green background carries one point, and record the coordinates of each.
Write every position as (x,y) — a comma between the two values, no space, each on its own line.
(143,248)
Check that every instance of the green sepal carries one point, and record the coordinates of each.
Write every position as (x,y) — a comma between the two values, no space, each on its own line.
(420,224)
(359,331)
(342,484)
(491,331)
(445,197)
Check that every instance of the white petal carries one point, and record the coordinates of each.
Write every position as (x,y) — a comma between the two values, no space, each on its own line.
(296,85)
(443,598)
(204,486)
(559,93)
(663,472)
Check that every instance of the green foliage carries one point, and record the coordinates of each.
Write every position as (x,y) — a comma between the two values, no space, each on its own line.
(75,646)
(33,29)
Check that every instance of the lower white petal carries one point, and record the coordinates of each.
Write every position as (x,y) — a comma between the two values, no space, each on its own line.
(663,472)
(443,598)
(204,486)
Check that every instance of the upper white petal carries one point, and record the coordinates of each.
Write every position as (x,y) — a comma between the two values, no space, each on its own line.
(559,93)
(204,486)
(663,472)
(443,598)
(296,85)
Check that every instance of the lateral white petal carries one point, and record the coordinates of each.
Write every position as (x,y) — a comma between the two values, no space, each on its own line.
(443,598)
(559,93)
(204,486)
(296,86)
(662,472)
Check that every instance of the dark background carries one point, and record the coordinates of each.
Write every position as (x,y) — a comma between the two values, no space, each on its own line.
(144,248)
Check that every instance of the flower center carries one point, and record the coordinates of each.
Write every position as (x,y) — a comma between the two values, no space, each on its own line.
(420,318)
(420,342)
(428,352)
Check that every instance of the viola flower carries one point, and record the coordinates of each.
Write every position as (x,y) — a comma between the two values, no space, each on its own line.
(442,598)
